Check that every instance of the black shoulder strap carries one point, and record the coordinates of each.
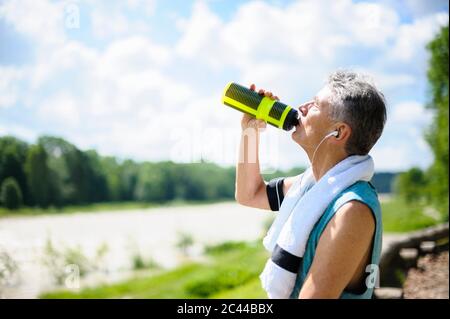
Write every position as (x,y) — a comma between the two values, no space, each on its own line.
(275,193)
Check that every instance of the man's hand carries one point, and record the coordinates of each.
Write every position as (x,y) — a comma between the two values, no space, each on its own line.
(248,120)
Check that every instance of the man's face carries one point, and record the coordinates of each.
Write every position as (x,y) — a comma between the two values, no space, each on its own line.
(314,122)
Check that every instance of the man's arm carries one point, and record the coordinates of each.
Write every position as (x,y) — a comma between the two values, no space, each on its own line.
(340,250)
(250,189)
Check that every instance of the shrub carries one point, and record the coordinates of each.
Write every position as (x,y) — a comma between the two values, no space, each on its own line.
(412,185)
(10,195)
(139,262)
(223,279)
(225,247)
(8,269)
(184,242)
(58,261)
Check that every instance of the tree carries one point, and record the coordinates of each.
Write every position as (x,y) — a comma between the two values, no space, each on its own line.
(12,159)
(129,171)
(40,178)
(112,170)
(437,133)
(97,184)
(72,171)
(154,183)
(10,193)
(410,185)
(56,148)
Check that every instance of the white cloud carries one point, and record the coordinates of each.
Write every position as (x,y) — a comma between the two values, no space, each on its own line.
(117,100)
(60,109)
(9,82)
(402,144)
(42,21)
(198,32)
(395,158)
(111,24)
(108,24)
(290,49)
(63,58)
(137,98)
(412,38)
(134,53)
(147,6)
(420,8)
(410,113)
(307,30)
(390,158)
(386,80)
(111,19)
(371,24)
(18,130)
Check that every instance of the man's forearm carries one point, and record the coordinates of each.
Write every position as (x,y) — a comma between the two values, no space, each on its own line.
(248,174)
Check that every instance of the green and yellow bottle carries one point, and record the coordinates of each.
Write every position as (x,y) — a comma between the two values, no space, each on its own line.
(273,112)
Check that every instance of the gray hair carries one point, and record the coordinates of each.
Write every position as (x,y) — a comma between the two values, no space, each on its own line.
(357,102)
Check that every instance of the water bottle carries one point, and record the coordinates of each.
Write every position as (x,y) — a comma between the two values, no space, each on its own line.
(261,107)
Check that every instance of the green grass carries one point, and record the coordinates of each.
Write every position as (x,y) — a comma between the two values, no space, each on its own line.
(399,216)
(165,285)
(250,290)
(97,207)
(30,211)
(235,271)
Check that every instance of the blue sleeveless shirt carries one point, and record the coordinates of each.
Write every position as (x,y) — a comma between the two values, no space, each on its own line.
(363,192)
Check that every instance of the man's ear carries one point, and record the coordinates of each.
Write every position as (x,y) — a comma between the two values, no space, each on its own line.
(344,132)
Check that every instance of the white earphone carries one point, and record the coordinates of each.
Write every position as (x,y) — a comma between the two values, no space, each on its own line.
(334,133)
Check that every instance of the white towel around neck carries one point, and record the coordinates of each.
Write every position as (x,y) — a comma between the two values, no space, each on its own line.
(302,207)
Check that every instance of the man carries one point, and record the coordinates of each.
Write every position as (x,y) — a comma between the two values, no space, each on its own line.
(344,119)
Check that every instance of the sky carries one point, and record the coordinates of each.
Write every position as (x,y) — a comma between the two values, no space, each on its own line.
(143,79)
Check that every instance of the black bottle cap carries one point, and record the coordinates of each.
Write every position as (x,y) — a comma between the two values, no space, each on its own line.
(291,120)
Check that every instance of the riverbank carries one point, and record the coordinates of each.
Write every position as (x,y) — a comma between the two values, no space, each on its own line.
(114,243)
(99,208)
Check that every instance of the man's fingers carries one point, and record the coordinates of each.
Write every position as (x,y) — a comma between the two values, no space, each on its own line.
(260,124)
(265,93)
